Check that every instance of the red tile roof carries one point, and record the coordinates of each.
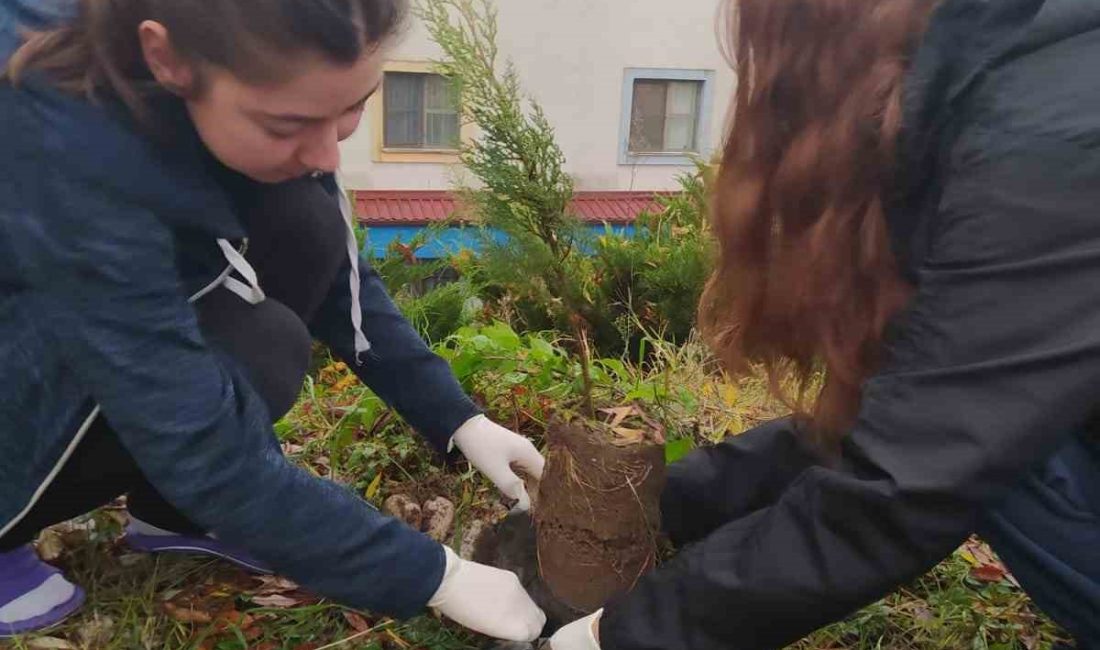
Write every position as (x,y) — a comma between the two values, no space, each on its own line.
(421,207)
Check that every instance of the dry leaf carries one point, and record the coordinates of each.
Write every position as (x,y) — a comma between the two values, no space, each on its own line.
(233,618)
(187,615)
(276,601)
(50,545)
(274,585)
(396,639)
(96,632)
(357,622)
(619,414)
(50,643)
(988,573)
(131,559)
(626,436)
(922,613)
(978,553)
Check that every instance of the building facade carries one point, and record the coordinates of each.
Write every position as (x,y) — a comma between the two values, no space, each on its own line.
(633,88)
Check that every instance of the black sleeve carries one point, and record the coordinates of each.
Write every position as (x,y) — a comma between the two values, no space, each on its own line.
(399,367)
(714,485)
(993,365)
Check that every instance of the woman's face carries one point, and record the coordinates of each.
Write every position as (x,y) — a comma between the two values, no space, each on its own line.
(276,131)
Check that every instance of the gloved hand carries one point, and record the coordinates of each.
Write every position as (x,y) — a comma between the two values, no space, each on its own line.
(578,635)
(492,449)
(487,600)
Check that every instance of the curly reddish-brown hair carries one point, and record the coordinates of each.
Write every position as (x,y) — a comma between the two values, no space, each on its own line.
(806,279)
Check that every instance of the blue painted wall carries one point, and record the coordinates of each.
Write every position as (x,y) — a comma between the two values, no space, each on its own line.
(446,241)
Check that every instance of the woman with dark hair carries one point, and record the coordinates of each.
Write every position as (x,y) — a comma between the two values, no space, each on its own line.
(172,239)
(909,201)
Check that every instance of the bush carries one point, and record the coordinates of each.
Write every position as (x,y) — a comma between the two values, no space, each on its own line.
(435,307)
(549,271)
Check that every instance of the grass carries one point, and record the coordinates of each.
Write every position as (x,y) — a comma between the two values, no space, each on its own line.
(339,430)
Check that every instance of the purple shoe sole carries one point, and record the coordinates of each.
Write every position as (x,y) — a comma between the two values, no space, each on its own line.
(50,619)
(195,545)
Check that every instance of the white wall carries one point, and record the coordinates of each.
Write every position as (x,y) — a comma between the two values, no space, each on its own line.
(571,56)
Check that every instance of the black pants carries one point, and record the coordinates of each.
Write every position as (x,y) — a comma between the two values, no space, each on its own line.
(297,242)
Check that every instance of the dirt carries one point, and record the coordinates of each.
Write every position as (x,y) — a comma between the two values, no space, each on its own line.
(598,512)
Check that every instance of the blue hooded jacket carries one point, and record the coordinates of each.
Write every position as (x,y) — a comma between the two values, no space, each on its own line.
(104,235)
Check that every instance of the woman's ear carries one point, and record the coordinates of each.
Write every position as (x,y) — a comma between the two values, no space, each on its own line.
(171,71)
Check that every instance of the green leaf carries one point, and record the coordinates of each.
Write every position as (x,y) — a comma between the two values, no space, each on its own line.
(503,336)
(283,428)
(677,449)
(541,350)
(514,378)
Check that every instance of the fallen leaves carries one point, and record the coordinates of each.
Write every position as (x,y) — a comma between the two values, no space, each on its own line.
(357,622)
(50,643)
(986,567)
(630,425)
(187,615)
(988,573)
(276,601)
(50,547)
(96,632)
(280,593)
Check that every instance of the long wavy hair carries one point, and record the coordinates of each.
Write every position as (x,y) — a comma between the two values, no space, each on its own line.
(806,279)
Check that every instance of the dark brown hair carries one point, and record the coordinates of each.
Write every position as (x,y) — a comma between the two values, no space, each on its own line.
(99,56)
(806,279)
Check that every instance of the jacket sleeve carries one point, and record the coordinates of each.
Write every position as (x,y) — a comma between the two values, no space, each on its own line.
(399,367)
(195,426)
(993,365)
(714,485)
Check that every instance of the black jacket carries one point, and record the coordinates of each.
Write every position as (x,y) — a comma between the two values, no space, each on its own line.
(993,365)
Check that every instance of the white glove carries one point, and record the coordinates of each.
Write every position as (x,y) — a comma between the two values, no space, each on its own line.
(487,600)
(578,635)
(492,449)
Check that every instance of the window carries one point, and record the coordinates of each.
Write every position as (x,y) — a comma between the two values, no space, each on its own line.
(666,115)
(421,112)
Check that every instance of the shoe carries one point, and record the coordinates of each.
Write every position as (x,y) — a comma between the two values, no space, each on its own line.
(147,538)
(34,596)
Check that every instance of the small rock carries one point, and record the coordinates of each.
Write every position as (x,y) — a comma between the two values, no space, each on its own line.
(404,508)
(439,515)
(471,537)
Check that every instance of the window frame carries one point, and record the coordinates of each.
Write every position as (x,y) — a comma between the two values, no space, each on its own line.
(703,123)
(424,113)
(377,122)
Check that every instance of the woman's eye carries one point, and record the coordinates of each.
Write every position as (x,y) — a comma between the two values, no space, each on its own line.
(280,133)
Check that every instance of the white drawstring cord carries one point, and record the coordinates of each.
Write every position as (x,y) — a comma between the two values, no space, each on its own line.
(361,343)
